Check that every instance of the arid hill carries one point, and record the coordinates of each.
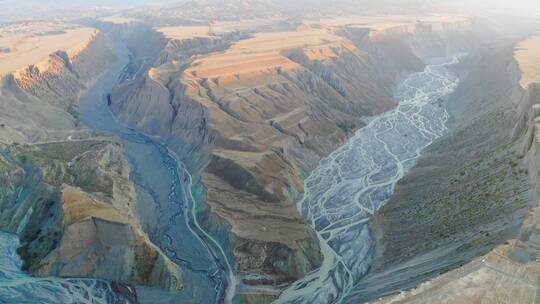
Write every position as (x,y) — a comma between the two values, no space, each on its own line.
(66,191)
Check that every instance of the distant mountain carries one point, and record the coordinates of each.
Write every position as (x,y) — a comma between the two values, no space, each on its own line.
(37,9)
(211,10)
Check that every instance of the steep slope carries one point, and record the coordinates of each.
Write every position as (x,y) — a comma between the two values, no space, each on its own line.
(273,114)
(67,195)
(468,193)
(253,120)
(39,101)
(71,205)
(509,272)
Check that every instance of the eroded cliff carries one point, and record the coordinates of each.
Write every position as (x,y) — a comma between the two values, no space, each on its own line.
(470,195)
(66,191)
(39,101)
(253,119)
(71,204)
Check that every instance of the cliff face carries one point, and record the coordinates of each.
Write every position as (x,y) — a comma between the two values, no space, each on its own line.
(70,200)
(469,193)
(252,121)
(406,47)
(59,79)
(71,204)
(39,101)
(509,271)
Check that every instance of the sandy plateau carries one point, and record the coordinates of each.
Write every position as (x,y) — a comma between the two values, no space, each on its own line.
(214,29)
(265,53)
(528,57)
(23,44)
(384,22)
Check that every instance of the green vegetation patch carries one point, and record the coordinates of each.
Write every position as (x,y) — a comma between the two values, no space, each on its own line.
(4,166)
(61,163)
(66,151)
(346,126)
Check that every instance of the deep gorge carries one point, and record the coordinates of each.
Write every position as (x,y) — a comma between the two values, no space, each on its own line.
(189,169)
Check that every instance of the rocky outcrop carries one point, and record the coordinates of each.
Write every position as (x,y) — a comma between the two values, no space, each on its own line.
(71,204)
(59,80)
(39,102)
(255,119)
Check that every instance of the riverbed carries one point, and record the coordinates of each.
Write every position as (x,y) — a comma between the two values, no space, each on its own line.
(164,201)
(341,195)
(343,192)
(164,208)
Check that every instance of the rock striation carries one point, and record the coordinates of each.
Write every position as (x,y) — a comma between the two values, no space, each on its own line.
(39,102)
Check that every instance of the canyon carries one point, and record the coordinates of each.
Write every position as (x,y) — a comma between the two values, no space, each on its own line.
(249,154)
(507,267)
(259,116)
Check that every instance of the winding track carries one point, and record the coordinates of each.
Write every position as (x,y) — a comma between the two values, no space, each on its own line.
(343,192)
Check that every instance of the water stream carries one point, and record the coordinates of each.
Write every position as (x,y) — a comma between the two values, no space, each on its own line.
(349,185)
(165,201)
(164,205)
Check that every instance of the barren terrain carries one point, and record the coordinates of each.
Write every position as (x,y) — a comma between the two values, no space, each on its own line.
(170,147)
(265,53)
(382,22)
(528,57)
(23,44)
(508,269)
(214,29)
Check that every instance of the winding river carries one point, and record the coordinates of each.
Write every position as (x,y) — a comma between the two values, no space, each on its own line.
(343,192)
(165,210)
(165,202)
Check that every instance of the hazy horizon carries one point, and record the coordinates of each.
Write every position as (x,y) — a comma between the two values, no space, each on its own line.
(13,9)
